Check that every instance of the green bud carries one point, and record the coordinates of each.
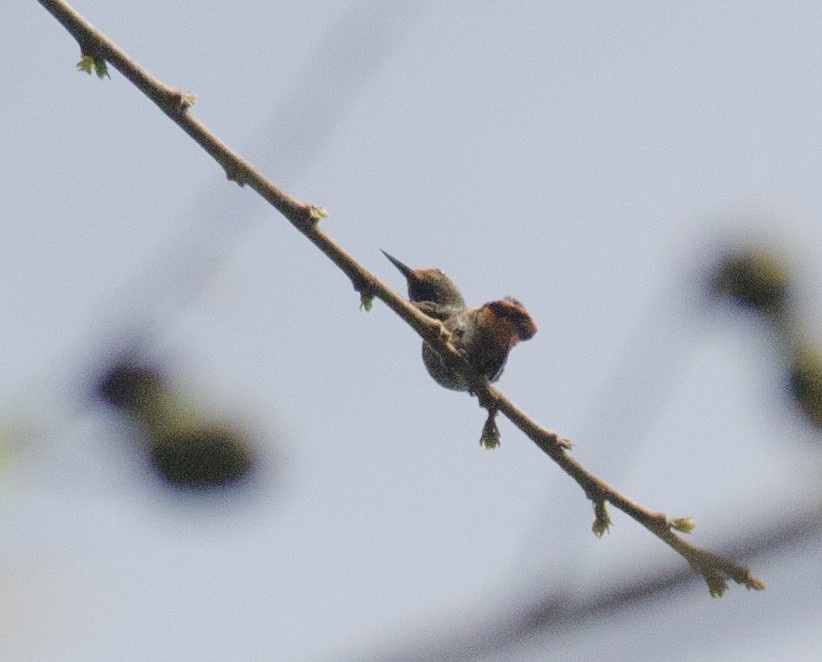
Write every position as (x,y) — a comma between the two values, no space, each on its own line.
(716,584)
(683,524)
(602,521)
(318,213)
(490,432)
(188,99)
(87,64)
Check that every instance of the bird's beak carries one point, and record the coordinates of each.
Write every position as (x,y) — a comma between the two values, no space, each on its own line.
(406,271)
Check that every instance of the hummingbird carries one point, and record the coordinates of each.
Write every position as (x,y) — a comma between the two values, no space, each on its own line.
(484,335)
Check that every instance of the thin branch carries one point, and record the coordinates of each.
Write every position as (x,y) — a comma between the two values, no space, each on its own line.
(554,608)
(305,218)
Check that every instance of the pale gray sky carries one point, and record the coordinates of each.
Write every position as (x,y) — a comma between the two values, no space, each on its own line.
(588,158)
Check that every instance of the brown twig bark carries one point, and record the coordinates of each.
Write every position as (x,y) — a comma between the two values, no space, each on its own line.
(305,218)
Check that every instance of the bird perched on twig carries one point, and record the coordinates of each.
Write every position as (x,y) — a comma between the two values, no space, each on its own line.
(484,335)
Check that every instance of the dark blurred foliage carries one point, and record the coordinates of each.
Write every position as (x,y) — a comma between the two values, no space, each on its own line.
(130,385)
(185,450)
(805,384)
(202,457)
(759,279)
(755,278)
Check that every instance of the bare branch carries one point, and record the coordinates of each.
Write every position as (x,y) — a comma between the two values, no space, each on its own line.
(555,607)
(305,217)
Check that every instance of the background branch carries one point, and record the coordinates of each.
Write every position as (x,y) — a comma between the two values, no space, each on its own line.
(305,218)
(558,607)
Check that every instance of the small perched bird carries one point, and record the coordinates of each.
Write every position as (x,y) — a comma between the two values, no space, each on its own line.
(484,335)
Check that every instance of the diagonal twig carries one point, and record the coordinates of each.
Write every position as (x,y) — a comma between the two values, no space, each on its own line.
(304,217)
